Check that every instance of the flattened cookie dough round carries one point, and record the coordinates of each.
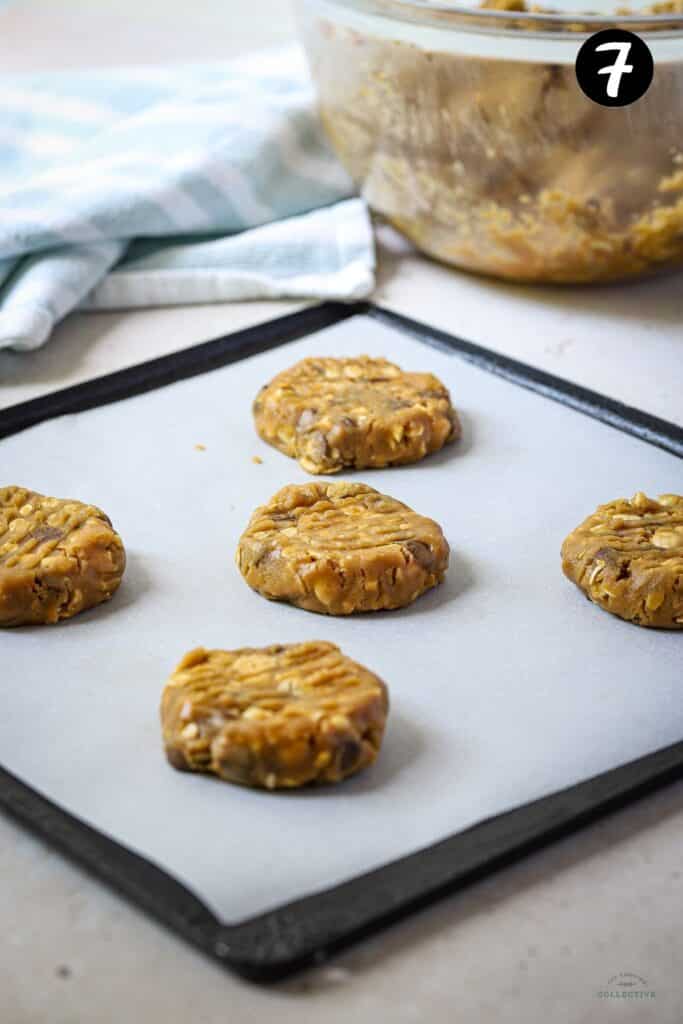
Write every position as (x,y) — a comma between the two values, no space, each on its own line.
(339,548)
(277,717)
(57,558)
(359,413)
(628,558)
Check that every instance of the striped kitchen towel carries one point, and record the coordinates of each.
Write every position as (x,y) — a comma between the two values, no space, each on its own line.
(154,186)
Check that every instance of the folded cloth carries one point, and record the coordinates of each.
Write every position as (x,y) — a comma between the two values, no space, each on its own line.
(153,186)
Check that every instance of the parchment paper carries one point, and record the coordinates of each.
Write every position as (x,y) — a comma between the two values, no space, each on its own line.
(505,682)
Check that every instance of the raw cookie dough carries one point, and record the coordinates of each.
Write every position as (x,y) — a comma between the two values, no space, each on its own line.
(362,413)
(278,717)
(341,548)
(57,558)
(502,166)
(628,558)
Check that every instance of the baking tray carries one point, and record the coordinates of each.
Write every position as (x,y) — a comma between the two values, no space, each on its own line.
(513,698)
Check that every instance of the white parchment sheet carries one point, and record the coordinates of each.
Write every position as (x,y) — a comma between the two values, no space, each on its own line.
(505,682)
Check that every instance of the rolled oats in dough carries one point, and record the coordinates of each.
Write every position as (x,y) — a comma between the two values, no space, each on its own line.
(277,717)
(503,166)
(57,558)
(363,413)
(628,558)
(339,548)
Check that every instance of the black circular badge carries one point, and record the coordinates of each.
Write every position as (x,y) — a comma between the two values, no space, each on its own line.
(614,67)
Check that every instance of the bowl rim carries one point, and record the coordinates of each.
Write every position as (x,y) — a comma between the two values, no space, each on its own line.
(445,15)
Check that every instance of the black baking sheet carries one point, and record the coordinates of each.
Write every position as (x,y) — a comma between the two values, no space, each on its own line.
(305,930)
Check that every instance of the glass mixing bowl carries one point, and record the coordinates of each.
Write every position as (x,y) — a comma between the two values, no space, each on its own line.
(468,131)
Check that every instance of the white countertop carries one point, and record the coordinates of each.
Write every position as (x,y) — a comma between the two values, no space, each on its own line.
(534,943)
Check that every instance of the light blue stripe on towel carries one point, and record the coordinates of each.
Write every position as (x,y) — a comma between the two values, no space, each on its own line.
(216,180)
